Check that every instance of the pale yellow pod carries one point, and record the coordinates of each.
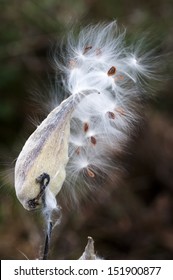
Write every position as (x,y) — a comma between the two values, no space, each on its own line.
(45,154)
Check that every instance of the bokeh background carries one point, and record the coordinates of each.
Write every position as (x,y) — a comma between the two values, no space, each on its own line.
(134,218)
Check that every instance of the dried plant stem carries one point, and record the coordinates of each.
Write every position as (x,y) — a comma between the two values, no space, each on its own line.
(47,241)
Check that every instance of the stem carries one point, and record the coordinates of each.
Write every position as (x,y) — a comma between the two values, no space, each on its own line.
(44,180)
(47,241)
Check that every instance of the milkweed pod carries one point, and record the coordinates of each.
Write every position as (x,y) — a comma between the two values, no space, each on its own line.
(45,152)
(98,61)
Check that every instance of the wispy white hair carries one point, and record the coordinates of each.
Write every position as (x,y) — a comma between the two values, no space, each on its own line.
(99,60)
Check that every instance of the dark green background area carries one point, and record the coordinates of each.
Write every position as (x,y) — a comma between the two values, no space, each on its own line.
(133,218)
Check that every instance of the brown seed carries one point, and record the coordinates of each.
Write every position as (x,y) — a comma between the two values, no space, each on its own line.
(86,49)
(77,151)
(111,71)
(93,140)
(90,172)
(85,127)
(111,115)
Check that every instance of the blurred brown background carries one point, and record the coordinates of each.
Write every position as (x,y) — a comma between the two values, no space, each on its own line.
(134,220)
